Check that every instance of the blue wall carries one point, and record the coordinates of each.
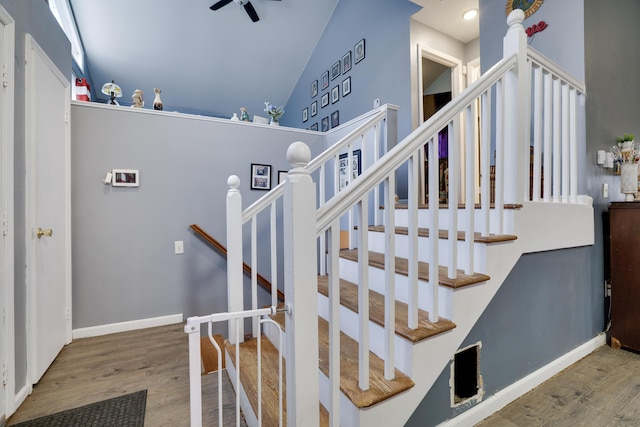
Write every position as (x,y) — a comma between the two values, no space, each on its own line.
(384,72)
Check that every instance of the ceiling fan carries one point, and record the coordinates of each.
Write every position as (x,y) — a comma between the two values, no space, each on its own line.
(248,7)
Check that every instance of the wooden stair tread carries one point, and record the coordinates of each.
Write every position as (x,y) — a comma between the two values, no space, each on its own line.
(444,234)
(380,388)
(349,299)
(460,206)
(376,259)
(249,380)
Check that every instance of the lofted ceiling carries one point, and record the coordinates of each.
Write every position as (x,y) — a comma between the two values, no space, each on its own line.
(214,62)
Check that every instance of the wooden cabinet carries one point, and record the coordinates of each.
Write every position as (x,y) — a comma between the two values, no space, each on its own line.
(624,224)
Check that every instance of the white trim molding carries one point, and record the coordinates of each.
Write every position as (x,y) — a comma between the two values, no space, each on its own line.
(132,325)
(7,277)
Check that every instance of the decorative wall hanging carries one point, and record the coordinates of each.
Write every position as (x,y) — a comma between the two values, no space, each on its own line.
(359,51)
(260,177)
(529,7)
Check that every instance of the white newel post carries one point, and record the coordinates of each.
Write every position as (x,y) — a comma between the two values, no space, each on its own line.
(300,293)
(516,162)
(234,255)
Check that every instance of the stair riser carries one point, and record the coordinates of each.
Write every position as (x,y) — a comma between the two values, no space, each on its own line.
(401,219)
(377,244)
(349,271)
(349,324)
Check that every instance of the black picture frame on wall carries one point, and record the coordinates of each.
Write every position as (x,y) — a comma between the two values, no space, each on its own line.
(335,70)
(359,52)
(346,62)
(335,94)
(305,114)
(324,79)
(335,119)
(324,101)
(324,124)
(314,126)
(346,86)
(260,176)
(314,89)
(314,108)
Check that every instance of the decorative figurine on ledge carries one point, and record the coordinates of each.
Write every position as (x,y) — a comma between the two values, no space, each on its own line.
(157,102)
(137,100)
(244,116)
(113,90)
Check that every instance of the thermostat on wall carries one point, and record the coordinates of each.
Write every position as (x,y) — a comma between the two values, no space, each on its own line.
(125,178)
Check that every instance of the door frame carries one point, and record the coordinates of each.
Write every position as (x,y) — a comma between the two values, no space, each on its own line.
(457,85)
(32,48)
(7,332)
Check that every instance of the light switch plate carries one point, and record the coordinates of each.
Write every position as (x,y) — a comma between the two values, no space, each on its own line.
(179,246)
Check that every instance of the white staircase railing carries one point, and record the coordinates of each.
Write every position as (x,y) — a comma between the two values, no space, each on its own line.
(312,218)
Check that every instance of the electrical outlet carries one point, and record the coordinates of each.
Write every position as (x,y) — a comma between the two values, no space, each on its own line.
(376,103)
(178,246)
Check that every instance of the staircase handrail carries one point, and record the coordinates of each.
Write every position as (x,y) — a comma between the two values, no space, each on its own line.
(223,250)
(376,116)
(397,155)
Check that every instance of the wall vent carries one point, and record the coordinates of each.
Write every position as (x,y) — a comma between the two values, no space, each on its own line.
(466,382)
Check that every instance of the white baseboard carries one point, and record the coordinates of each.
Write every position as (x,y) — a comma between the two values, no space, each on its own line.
(132,325)
(507,395)
(21,396)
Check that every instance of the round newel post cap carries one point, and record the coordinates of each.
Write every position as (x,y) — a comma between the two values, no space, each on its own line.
(515,17)
(233,182)
(298,154)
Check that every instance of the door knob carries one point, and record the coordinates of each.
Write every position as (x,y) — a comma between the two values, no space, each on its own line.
(47,233)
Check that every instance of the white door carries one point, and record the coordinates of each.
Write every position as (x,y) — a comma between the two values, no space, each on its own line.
(7,355)
(48,209)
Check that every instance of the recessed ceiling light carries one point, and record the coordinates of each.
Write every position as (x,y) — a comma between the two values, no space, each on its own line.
(470,14)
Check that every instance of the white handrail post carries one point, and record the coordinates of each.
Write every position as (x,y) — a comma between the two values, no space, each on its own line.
(515,120)
(234,255)
(300,281)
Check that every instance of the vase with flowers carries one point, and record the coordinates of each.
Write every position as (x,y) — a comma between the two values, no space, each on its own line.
(627,155)
(274,112)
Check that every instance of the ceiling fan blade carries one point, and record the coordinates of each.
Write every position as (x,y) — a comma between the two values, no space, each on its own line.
(251,12)
(221,3)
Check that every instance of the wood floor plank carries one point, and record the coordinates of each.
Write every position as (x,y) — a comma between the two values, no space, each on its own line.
(93,369)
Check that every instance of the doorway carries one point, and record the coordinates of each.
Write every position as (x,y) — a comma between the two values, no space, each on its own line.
(440,79)
(48,209)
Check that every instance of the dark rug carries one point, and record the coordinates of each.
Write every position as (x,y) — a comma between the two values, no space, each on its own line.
(123,411)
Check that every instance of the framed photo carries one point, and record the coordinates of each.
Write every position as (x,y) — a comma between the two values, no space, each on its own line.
(260,177)
(282,175)
(325,124)
(343,165)
(335,70)
(359,51)
(324,101)
(346,62)
(314,89)
(335,94)
(125,178)
(314,126)
(335,119)
(324,80)
(314,108)
(346,86)
(305,114)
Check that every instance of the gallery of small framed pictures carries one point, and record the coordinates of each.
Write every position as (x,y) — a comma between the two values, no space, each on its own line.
(331,92)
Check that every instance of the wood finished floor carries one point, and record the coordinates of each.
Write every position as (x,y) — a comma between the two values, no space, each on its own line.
(92,369)
(602,389)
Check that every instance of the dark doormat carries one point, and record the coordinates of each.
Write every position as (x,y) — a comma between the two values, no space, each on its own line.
(123,411)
